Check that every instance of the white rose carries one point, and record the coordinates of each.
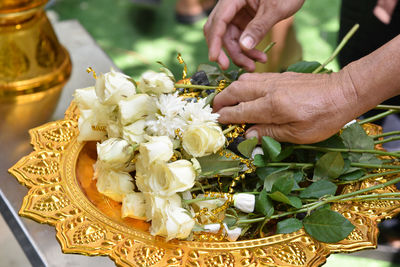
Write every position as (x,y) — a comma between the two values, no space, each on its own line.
(157,148)
(169,219)
(135,108)
(113,184)
(147,175)
(232,234)
(134,206)
(202,139)
(156,83)
(165,179)
(115,153)
(89,130)
(113,129)
(113,86)
(86,98)
(244,202)
(134,132)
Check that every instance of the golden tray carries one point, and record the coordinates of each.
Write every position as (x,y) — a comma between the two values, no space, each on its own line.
(56,198)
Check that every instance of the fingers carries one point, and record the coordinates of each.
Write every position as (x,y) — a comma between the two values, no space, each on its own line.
(231,45)
(256,29)
(256,111)
(238,92)
(216,25)
(276,131)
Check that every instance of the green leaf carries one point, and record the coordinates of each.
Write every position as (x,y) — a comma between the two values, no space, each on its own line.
(210,99)
(351,176)
(355,137)
(271,147)
(330,166)
(259,160)
(286,152)
(307,67)
(263,172)
(295,202)
(283,184)
(327,226)
(230,220)
(216,163)
(334,141)
(288,226)
(264,204)
(298,176)
(290,200)
(270,179)
(247,146)
(304,66)
(319,189)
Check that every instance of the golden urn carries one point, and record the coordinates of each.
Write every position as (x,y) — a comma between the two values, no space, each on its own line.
(33,66)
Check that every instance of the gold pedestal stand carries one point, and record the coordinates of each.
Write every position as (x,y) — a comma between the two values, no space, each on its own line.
(33,66)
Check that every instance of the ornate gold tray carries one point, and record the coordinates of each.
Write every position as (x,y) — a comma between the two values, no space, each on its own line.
(58,196)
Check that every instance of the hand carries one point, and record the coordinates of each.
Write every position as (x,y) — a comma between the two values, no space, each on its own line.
(239,25)
(290,107)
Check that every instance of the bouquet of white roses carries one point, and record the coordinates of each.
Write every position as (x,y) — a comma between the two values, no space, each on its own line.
(163,155)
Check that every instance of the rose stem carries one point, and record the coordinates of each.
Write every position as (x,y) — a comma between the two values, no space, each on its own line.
(387,107)
(338,48)
(194,86)
(379,116)
(368,176)
(351,150)
(385,134)
(387,140)
(311,206)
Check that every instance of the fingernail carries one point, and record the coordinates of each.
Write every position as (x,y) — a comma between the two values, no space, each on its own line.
(247,42)
(252,134)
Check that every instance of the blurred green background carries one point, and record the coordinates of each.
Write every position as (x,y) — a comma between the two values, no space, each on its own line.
(135,35)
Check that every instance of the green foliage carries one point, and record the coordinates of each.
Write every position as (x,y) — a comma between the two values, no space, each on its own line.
(264,204)
(283,184)
(319,189)
(247,146)
(289,225)
(329,166)
(327,226)
(271,148)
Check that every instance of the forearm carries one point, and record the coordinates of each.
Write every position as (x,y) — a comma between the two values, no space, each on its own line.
(376,77)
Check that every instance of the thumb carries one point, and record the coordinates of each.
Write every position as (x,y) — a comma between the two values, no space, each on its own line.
(256,29)
(272,130)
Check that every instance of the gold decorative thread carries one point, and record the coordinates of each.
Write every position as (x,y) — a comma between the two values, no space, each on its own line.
(90,70)
(56,198)
(181,61)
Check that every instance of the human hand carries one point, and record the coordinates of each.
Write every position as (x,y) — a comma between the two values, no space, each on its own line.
(290,107)
(239,25)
